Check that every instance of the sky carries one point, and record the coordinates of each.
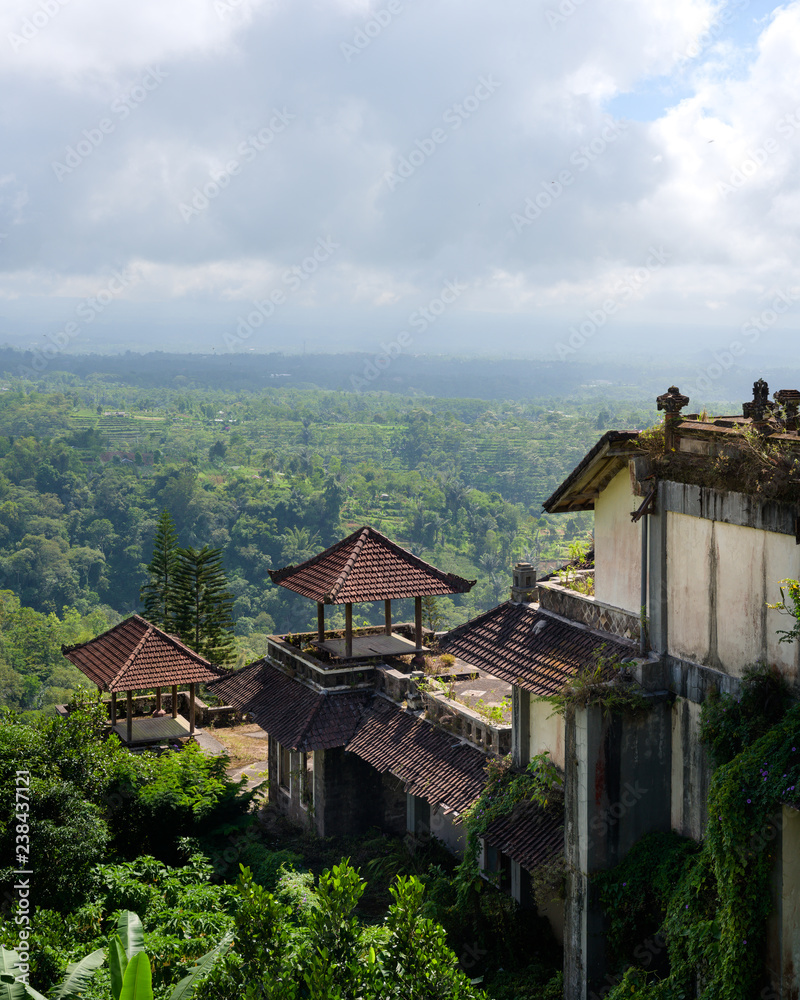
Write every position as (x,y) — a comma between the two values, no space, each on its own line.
(554,178)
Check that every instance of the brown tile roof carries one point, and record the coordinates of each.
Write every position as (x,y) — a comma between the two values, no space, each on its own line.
(593,473)
(297,716)
(529,835)
(367,566)
(431,763)
(533,649)
(135,655)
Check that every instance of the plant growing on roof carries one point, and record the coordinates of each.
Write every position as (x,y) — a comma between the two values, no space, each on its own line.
(604,683)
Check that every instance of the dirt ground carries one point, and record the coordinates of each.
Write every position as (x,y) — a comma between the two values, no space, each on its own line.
(245,744)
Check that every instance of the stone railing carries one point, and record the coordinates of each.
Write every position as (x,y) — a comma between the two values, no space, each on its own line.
(587,610)
(491,737)
(145,704)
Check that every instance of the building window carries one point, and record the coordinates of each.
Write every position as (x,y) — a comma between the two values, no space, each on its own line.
(284,767)
(307,779)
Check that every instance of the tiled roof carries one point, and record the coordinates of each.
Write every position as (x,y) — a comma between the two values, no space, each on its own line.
(297,716)
(529,835)
(533,649)
(431,763)
(593,473)
(367,566)
(135,656)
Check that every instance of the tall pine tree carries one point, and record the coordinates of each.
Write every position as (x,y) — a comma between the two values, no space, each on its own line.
(159,594)
(203,603)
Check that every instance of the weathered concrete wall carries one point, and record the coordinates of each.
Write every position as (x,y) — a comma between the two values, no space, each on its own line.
(720,578)
(445,828)
(691,771)
(617,546)
(790,905)
(349,794)
(546,731)
(394,805)
(617,789)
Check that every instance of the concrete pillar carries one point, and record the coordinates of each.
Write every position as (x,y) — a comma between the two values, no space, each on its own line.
(520,726)
(657,575)
(129,715)
(387,615)
(191,709)
(348,630)
(113,708)
(418,621)
(616,790)
(320,622)
(174,701)
(158,699)
(418,817)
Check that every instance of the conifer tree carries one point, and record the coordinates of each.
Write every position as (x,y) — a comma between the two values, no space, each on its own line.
(203,603)
(159,594)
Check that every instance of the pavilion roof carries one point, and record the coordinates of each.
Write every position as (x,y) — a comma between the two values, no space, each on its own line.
(136,655)
(367,566)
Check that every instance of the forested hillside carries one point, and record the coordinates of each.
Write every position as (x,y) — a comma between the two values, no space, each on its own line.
(270,477)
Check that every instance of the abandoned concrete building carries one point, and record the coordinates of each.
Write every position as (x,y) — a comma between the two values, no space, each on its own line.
(688,553)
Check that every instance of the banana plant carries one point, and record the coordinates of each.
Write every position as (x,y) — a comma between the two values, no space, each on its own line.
(129,965)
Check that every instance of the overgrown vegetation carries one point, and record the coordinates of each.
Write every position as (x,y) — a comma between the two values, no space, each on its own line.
(714,925)
(607,684)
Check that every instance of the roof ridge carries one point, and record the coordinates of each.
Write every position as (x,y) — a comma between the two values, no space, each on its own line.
(129,662)
(348,566)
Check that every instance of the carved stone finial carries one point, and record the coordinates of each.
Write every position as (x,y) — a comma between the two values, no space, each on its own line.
(789,401)
(671,402)
(760,404)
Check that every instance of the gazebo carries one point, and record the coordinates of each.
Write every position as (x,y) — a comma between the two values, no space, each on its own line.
(364,567)
(137,656)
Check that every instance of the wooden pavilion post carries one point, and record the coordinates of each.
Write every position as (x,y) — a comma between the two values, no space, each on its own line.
(320,621)
(174,701)
(129,715)
(158,699)
(418,621)
(113,709)
(348,630)
(387,614)
(191,709)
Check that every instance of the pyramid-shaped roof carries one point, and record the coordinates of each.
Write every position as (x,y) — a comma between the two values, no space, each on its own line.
(367,566)
(136,655)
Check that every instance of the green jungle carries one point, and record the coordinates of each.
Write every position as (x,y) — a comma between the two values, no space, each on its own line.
(156,875)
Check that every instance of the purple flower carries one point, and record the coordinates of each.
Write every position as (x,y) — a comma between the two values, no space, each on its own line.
(748,801)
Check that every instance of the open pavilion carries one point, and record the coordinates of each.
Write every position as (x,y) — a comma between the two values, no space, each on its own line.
(138,656)
(362,568)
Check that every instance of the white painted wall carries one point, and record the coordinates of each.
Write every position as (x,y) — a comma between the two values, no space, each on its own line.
(446,829)
(617,546)
(720,578)
(547,731)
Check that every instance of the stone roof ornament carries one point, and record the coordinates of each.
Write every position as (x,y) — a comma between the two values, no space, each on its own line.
(671,402)
(760,405)
(789,401)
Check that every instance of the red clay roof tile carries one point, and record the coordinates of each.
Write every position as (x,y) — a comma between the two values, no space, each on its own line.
(431,763)
(297,716)
(367,566)
(533,649)
(136,655)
